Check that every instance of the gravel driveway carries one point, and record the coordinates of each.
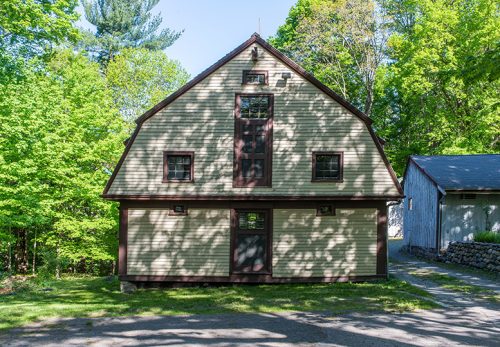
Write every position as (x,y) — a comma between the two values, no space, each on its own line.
(463,322)
(429,328)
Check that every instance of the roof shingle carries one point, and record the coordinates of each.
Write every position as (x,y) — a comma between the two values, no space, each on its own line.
(462,172)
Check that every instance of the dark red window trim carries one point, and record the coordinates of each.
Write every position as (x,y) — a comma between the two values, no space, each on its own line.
(238,180)
(256,72)
(165,166)
(341,167)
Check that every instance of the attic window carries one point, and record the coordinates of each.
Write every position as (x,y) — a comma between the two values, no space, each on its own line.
(467,196)
(255,77)
(410,204)
(178,167)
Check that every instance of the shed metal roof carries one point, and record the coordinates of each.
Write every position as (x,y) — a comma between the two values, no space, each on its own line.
(461,172)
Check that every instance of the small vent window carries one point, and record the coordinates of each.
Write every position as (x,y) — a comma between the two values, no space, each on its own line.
(410,204)
(254,77)
(325,210)
(178,210)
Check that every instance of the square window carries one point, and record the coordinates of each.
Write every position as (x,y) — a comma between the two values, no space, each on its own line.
(327,167)
(178,166)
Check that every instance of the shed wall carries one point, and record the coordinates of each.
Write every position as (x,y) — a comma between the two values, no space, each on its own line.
(461,219)
(420,223)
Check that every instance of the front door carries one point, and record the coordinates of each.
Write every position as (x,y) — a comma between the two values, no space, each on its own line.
(251,243)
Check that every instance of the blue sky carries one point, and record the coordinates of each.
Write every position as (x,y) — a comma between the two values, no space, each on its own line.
(214,28)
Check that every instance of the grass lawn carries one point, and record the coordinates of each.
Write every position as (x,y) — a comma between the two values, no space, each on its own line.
(96,297)
(457,285)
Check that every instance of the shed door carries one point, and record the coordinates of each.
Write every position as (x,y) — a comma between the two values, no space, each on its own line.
(251,242)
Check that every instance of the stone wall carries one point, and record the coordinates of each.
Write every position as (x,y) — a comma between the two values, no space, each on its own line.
(477,254)
(421,252)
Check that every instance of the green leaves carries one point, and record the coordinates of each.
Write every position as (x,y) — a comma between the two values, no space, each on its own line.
(61,136)
(140,78)
(443,100)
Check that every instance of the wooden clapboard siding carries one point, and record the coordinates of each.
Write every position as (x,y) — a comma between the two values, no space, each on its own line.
(420,224)
(192,245)
(307,245)
(305,120)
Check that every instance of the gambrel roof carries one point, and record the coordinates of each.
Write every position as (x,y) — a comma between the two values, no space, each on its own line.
(256,39)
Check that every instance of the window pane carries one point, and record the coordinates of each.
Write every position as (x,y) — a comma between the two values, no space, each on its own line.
(254,107)
(247,143)
(259,129)
(251,252)
(246,128)
(327,166)
(179,167)
(254,78)
(246,166)
(259,168)
(260,144)
(251,221)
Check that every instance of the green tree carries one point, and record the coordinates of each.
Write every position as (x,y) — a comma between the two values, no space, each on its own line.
(441,90)
(59,140)
(31,28)
(140,78)
(341,42)
(124,24)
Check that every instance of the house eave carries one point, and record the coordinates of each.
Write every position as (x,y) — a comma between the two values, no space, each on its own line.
(145,197)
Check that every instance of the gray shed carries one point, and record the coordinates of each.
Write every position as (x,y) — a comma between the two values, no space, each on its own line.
(450,198)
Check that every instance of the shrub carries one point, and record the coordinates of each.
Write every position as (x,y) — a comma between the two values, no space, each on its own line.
(487,236)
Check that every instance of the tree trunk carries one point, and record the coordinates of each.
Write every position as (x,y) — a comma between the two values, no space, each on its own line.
(34,255)
(9,261)
(58,264)
(21,255)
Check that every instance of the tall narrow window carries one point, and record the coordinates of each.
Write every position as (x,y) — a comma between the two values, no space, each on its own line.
(327,166)
(252,143)
(178,166)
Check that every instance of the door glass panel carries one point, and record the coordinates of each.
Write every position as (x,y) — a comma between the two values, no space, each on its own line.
(251,252)
(247,143)
(251,220)
(260,144)
(259,168)
(246,168)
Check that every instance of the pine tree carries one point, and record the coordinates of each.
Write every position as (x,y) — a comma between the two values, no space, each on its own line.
(125,24)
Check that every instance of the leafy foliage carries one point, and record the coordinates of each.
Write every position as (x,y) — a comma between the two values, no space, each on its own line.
(60,138)
(341,42)
(440,97)
(125,24)
(140,78)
